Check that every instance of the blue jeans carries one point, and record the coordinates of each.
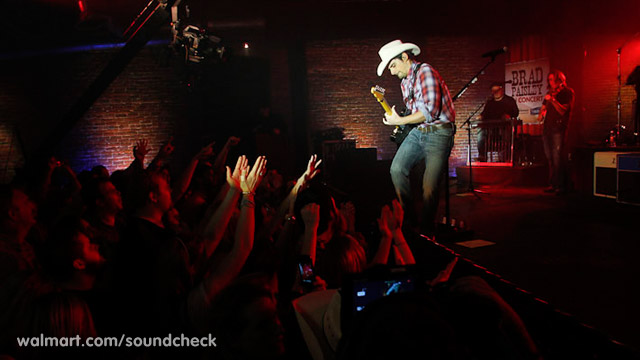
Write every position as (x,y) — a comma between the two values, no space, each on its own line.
(553,150)
(434,148)
(481,142)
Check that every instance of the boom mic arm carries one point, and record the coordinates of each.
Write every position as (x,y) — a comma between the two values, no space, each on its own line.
(496,52)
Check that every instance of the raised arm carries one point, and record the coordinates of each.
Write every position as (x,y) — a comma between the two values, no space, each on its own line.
(233,262)
(221,159)
(386,236)
(163,154)
(77,186)
(45,183)
(400,245)
(140,151)
(285,210)
(311,217)
(216,224)
(182,183)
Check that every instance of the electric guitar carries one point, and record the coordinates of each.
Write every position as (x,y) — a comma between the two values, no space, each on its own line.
(401,131)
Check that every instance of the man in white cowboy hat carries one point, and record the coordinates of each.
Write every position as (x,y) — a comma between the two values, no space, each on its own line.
(430,108)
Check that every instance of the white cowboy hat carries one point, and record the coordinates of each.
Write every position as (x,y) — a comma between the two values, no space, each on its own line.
(393,49)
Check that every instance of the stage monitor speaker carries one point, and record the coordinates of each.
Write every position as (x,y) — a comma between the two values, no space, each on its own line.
(604,173)
(628,179)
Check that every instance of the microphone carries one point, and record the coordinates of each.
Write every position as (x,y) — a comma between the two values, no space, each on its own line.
(496,52)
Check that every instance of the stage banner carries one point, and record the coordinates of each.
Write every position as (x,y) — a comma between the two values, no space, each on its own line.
(526,82)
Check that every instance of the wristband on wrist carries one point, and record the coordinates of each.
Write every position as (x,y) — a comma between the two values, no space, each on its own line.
(247,203)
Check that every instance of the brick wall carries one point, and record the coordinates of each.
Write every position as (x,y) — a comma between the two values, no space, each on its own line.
(601,86)
(146,101)
(341,73)
(149,100)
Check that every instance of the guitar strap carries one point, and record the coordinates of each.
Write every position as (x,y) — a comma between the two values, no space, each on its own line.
(415,78)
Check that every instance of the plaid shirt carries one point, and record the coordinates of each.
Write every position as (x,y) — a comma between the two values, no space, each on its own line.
(430,95)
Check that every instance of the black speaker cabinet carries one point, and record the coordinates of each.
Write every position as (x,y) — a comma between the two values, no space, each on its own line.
(628,176)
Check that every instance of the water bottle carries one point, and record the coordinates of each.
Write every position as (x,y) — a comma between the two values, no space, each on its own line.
(612,139)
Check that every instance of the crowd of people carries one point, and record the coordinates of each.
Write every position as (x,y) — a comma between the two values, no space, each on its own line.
(214,251)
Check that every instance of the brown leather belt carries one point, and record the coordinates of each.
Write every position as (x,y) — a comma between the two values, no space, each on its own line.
(436,127)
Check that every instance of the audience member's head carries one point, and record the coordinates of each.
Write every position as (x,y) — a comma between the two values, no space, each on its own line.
(71,259)
(343,255)
(486,322)
(17,212)
(102,197)
(60,315)
(203,177)
(246,321)
(152,193)
(100,172)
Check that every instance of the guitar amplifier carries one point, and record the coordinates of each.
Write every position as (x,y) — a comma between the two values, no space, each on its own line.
(628,179)
(605,173)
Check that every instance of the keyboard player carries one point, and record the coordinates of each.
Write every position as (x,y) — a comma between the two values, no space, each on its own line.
(498,107)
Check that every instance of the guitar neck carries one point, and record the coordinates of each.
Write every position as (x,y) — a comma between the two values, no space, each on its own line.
(378,93)
(385,105)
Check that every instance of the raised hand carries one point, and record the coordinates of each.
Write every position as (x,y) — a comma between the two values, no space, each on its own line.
(53,163)
(232,141)
(205,152)
(250,177)
(140,150)
(398,213)
(311,171)
(444,275)
(386,222)
(233,178)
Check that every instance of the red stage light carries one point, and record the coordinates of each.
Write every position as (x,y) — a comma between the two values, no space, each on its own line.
(81,5)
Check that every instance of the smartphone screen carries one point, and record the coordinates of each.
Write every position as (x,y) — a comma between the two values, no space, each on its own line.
(306,272)
(367,291)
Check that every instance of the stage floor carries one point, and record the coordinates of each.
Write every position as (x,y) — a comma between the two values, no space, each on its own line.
(577,252)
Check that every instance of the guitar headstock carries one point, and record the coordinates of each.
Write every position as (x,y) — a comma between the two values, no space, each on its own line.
(378,92)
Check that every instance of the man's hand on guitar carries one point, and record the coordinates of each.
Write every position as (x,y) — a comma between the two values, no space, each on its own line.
(393,119)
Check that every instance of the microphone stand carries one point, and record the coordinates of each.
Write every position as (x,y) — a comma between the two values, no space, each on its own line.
(470,187)
(473,80)
(619,99)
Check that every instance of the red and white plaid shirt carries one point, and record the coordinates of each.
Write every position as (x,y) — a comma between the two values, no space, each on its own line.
(430,95)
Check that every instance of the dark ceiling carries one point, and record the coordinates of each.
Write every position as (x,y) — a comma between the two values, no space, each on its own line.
(49,23)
